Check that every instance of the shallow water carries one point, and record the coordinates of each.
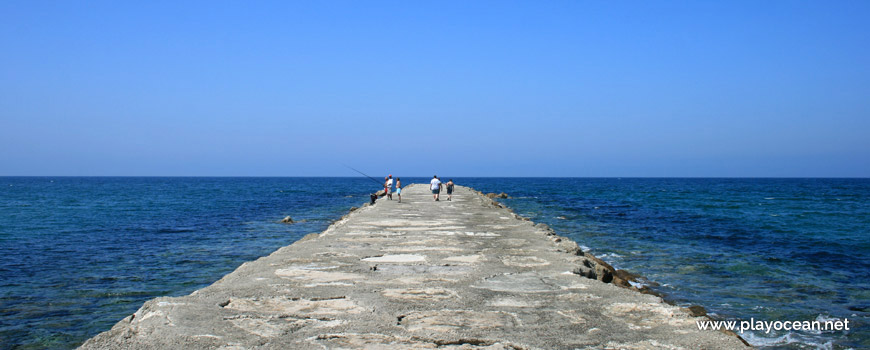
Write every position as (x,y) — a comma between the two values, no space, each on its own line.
(79,254)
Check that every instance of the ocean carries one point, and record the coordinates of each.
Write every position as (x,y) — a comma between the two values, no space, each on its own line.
(77,254)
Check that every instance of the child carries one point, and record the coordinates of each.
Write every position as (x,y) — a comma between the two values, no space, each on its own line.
(399,189)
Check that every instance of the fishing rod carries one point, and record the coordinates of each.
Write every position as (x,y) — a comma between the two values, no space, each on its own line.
(373,179)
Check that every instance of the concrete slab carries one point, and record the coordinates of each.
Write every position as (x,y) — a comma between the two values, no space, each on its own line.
(463,274)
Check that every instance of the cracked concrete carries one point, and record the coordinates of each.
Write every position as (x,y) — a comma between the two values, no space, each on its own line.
(464,274)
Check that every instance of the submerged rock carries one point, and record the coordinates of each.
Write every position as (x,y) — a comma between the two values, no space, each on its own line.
(287,220)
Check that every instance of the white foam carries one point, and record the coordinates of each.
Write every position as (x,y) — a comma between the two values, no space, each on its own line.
(786,339)
(825,318)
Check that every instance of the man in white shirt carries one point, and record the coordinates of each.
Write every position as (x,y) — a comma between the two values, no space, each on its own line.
(435,186)
(389,187)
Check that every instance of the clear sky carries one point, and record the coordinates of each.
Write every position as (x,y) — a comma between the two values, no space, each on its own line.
(458,88)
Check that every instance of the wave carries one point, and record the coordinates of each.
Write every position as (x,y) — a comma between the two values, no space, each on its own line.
(789,339)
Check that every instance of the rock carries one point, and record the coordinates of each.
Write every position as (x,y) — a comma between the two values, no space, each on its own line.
(597,269)
(567,246)
(287,220)
(585,272)
(352,209)
(625,275)
(503,195)
(861,308)
(500,195)
(697,311)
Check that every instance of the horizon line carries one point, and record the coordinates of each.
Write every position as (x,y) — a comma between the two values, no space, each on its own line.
(453,176)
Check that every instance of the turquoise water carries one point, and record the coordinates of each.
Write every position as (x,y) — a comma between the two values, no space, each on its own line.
(79,254)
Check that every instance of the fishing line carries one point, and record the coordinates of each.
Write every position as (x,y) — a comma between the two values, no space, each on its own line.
(373,179)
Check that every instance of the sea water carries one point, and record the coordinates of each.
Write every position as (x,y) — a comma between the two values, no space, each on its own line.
(768,249)
(79,254)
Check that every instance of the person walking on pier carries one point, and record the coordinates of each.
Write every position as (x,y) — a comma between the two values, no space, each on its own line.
(399,189)
(435,186)
(450,190)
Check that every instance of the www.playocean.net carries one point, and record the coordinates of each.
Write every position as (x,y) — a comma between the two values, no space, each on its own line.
(767,326)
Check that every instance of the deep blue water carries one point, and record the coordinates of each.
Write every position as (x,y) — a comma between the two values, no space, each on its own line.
(79,254)
(770,249)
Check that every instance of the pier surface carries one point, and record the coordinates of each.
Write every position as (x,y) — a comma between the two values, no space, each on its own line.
(460,274)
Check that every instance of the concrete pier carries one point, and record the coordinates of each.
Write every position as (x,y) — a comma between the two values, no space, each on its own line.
(460,274)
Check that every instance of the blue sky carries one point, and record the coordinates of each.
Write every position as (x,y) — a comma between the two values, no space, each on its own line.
(562,88)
